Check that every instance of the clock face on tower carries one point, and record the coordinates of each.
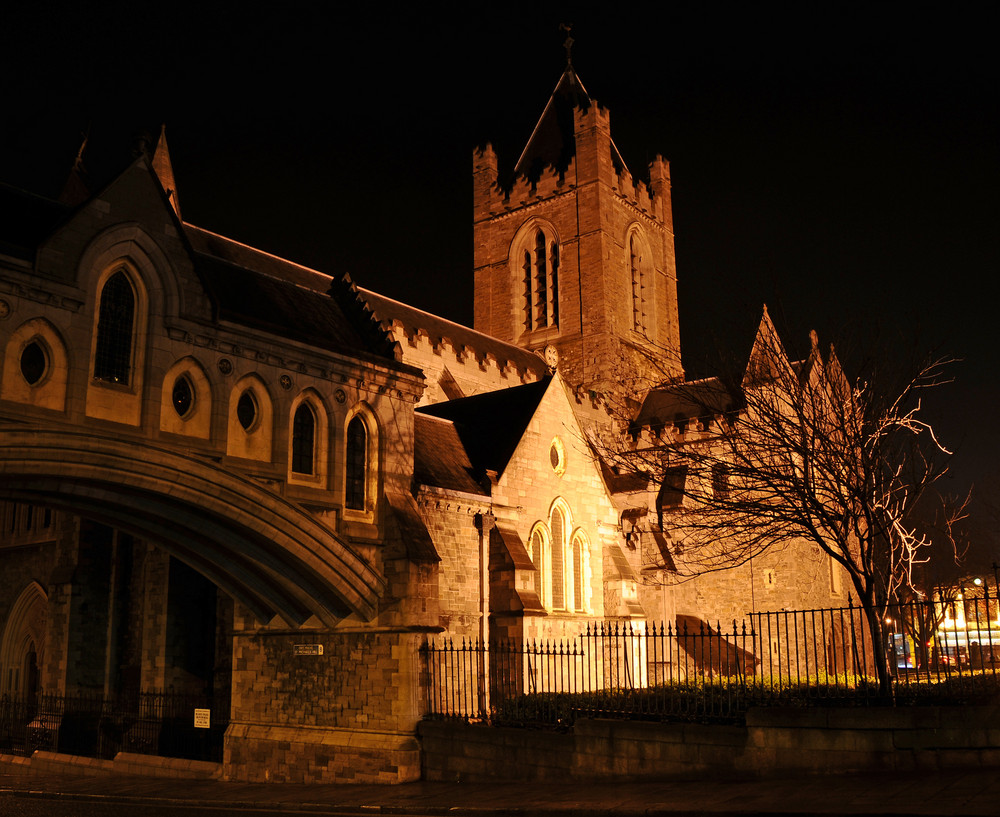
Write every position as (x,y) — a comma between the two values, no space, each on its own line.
(551,356)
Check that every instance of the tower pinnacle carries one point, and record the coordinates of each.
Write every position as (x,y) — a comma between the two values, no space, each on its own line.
(164,170)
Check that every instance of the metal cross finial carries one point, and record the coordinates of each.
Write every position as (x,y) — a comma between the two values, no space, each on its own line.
(568,44)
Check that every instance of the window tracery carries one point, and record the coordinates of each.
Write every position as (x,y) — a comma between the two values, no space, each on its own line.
(639,285)
(539,261)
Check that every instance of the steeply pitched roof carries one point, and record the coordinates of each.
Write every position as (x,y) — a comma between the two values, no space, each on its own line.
(681,402)
(491,425)
(768,359)
(439,458)
(254,288)
(553,142)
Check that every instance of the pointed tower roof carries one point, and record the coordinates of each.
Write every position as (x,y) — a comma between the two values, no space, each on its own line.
(165,171)
(553,141)
(77,189)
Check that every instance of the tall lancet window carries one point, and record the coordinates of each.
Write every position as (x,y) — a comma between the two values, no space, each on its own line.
(638,286)
(303,440)
(540,279)
(356,467)
(116,318)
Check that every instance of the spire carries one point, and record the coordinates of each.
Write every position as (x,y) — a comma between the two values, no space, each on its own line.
(76,190)
(553,141)
(164,170)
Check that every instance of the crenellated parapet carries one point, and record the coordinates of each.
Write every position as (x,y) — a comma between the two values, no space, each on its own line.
(493,199)
(476,361)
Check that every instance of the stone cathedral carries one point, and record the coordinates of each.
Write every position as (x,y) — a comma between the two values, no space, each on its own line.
(225,475)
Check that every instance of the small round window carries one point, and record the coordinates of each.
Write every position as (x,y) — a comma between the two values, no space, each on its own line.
(183,396)
(557,456)
(246,410)
(33,363)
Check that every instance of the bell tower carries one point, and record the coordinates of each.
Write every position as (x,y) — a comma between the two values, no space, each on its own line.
(574,253)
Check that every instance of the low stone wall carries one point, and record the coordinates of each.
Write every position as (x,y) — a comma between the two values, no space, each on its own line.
(774,741)
(124,763)
(296,754)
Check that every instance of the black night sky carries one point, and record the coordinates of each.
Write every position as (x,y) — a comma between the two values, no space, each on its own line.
(841,166)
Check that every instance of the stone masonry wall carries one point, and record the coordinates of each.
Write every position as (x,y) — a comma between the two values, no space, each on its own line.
(451,524)
(774,742)
(347,714)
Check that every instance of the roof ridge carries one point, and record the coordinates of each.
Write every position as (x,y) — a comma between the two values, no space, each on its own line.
(258,251)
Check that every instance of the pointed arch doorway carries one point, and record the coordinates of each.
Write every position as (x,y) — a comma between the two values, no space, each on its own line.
(22,644)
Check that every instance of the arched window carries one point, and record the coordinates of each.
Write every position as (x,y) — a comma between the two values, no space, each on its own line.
(638,285)
(186,400)
(540,280)
(536,550)
(246,410)
(116,319)
(182,396)
(303,440)
(557,526)
(34,366)
(356,465)
(34,363)
(577,585)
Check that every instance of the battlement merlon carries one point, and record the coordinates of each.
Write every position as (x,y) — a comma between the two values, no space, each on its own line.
(659,186)
(592,131)
(486,193)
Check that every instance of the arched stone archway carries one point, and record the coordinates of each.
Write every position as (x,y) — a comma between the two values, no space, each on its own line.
(262,549)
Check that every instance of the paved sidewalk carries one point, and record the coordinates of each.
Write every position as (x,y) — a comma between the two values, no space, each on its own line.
(949,792)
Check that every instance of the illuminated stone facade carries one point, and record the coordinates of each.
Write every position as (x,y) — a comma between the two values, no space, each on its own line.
(227,475)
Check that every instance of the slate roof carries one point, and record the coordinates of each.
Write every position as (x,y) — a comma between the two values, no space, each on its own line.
(414,320)
(553,141)
(247,286)
(490,426)
(256,289)
(685,401)
(439,458)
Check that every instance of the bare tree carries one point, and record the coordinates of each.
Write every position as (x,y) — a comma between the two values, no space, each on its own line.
(786,452)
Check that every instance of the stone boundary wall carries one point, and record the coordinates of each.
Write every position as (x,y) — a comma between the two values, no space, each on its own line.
(775,741)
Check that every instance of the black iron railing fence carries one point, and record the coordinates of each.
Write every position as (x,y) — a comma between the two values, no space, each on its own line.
(153,723)
(945,646)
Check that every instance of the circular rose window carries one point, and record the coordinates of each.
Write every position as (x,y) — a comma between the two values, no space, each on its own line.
(557,456)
